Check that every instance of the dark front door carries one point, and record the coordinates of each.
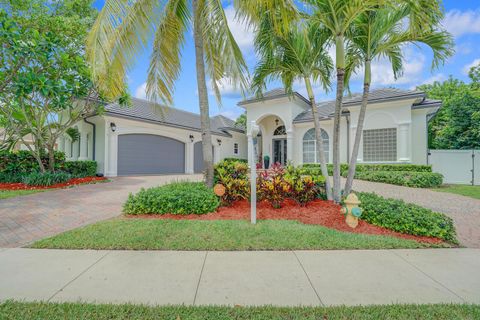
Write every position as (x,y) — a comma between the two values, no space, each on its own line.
(280,151)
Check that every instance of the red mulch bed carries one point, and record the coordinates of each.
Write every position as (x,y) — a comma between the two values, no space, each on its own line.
(319,212)
(71,182)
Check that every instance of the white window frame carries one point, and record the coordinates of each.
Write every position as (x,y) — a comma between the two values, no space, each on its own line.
(309,140)
(235,148)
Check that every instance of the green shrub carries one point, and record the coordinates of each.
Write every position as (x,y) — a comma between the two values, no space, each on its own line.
(233,176)
(80,169)
(174,198)
(403,178)
(10,177)
(45,179)
(406,218)
(23,162)
(235,160)
(373,167)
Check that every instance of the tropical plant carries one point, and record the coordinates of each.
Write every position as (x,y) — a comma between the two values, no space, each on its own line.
(124,28)
(299,54)
(381,33)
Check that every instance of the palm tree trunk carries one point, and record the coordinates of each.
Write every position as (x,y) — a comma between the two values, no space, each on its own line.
(340,57)
(358,135)
(203,95)
(318,139)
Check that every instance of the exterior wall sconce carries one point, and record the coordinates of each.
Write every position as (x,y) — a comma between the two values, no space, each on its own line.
(191,138)
(276,121)
(113,126)
(219,142)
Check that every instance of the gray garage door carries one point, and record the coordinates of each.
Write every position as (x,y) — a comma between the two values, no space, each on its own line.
(198,157)
(149,154)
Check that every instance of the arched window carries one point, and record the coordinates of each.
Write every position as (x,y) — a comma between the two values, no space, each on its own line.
(280,131)
(310,147)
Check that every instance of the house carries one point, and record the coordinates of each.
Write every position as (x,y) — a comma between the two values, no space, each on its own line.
(144,139)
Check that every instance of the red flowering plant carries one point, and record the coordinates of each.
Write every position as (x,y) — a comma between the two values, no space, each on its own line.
(272,187)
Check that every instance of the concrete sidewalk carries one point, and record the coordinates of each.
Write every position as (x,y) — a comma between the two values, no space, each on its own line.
(285,278)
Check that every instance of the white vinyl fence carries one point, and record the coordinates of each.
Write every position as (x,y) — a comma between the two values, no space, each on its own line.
(457,166)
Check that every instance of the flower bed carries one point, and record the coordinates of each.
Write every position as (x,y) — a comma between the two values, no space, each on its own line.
(317,212)
(69,183)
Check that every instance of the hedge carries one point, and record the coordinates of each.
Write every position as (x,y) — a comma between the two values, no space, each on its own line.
(406,218)
(235,160)
(174,198)
(38,179)
(403,178)
(14,166)
(374,167)
(80,169)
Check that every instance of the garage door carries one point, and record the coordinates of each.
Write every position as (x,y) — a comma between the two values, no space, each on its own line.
(149,154)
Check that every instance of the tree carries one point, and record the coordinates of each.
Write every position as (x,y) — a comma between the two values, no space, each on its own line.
(457,123)
(381,33)
(45,83)
(300,54)
(242,120)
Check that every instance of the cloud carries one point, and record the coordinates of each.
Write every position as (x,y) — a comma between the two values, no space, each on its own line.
(440,77)
(467,67)
(141,91)
(241,32)
(460,23)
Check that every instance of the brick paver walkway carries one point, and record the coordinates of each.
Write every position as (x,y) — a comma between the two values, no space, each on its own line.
(464,211)
(28,218)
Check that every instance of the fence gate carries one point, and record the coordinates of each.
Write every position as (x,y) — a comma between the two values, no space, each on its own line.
(457,166)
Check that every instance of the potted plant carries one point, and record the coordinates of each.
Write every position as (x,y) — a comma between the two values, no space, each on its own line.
(266,161)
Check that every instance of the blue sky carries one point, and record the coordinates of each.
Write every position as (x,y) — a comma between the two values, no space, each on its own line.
(462,19)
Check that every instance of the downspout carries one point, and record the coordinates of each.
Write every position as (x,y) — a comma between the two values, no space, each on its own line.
(348,138)
(94,127)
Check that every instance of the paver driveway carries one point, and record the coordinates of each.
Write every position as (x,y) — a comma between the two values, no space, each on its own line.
(464,211)
(28,218)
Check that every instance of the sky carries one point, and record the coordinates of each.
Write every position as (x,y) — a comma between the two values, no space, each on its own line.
(462,20)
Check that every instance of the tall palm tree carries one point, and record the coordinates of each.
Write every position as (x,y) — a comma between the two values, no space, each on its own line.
(300,54)
(381,33)
(337,16)
(124,28)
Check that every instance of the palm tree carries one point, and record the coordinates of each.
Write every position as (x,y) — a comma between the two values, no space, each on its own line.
(301,54)
(124,28)
(381,33)
(337,16)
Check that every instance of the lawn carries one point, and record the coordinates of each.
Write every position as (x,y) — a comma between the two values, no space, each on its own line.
(461,189)
(152,234)
(4,194)
(52,311)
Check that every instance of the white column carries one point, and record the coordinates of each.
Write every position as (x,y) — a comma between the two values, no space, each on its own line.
(189,157)
(289,145)
(68,148)
(112,154)
(83,146)
(61,144)
(403,142)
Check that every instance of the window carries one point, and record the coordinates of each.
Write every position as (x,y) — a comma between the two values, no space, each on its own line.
(235,148)
(380,145)
(310,147)
(280,131)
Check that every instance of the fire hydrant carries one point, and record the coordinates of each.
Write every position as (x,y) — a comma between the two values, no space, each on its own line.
(351,210)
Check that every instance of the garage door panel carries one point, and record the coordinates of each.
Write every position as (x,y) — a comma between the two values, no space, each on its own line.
(150,154)
(198,157)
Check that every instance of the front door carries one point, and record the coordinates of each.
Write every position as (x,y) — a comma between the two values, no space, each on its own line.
(280,151)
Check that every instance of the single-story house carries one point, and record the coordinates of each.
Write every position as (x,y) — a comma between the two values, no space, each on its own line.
(144,139)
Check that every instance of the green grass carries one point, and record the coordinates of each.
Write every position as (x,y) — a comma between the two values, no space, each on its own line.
(141,234)
(15,193)
(52,311)
(461,189)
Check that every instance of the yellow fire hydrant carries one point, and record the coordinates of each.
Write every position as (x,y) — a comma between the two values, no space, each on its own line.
(351,210)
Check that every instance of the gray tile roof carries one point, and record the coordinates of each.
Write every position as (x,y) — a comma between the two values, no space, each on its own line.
(144,110)
(273,94)
(326,109)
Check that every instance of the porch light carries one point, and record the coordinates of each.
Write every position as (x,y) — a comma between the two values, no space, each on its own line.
(277,121)
(192,138)
(113,126)
(219,142)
